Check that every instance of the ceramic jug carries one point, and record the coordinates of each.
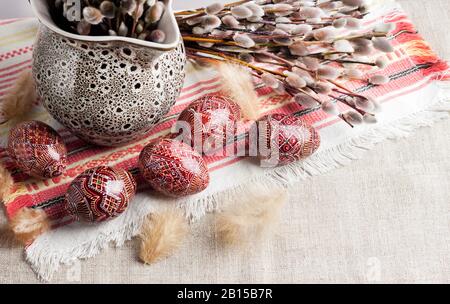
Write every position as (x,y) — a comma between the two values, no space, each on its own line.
(108,90)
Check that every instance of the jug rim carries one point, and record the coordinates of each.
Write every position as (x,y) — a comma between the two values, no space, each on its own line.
(39,8)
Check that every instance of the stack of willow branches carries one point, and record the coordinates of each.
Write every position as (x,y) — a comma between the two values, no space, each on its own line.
(303,48)
(130,18)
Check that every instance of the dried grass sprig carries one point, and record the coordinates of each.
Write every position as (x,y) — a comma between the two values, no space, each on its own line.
(249,220)
(27,224)
(6,183)
(237,83)
(18,101)
(161,235)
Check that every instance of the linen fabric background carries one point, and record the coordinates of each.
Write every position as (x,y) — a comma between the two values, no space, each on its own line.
(382,219)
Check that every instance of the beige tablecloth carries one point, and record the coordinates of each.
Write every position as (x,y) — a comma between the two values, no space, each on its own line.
(385,218)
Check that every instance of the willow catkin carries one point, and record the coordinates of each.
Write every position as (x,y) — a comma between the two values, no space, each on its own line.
(241,12)
(305,100)
(230,21)
(299,48)
(329,107)
(353,117)
(379,79)
(92,15)
(243,40)
(211,22)
(157,36)
(382,62)
(329,73)
(155,12)
(364,104)
(382,44)
(108,9)
(214,8)
(343,46)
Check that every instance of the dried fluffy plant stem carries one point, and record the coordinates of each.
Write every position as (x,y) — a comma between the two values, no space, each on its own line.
(28,224)
(18,101)
(237,83)
(6,183)
(161,234)
(244,223)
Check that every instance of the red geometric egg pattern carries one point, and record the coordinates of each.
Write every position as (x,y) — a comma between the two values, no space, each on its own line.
(210,118)
(290,138)
(37,149)
(173,168)
(100,194)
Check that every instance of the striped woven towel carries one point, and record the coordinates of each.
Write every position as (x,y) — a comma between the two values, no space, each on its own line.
(416,88)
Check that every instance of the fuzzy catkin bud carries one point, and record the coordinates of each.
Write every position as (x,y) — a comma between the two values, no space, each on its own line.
(326,72)
(311,63)
(343,46)
(108,9)
(281,7)
(354,74)
(353,117)
(270,80)
(92,15)
(243,40)
(157,36)
(257,10)
(382,62)
(241,12)
(299,49)
(198,30)
(282,38)
(364,104)
(370,118)
(128,6)
(330,108)
(322,88)
(211,22)
(230,21)
(379,79)
(123,30)
(353,23)
(311,12)
(155,13)
(214,8)
(384,28)
(83,27)
(325,34)
(382,44)
(353,2)
(305,100)
(301,29)
(340,23)
(294,80)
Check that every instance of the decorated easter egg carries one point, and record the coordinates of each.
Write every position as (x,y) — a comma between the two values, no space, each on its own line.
(37,149)
(100,194)
(285,139)
(210,119)
(173,168)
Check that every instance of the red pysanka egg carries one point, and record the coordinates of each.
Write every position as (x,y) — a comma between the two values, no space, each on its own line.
(37,149)
(285,139)
(209,118)
(173,168)
(100,194)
